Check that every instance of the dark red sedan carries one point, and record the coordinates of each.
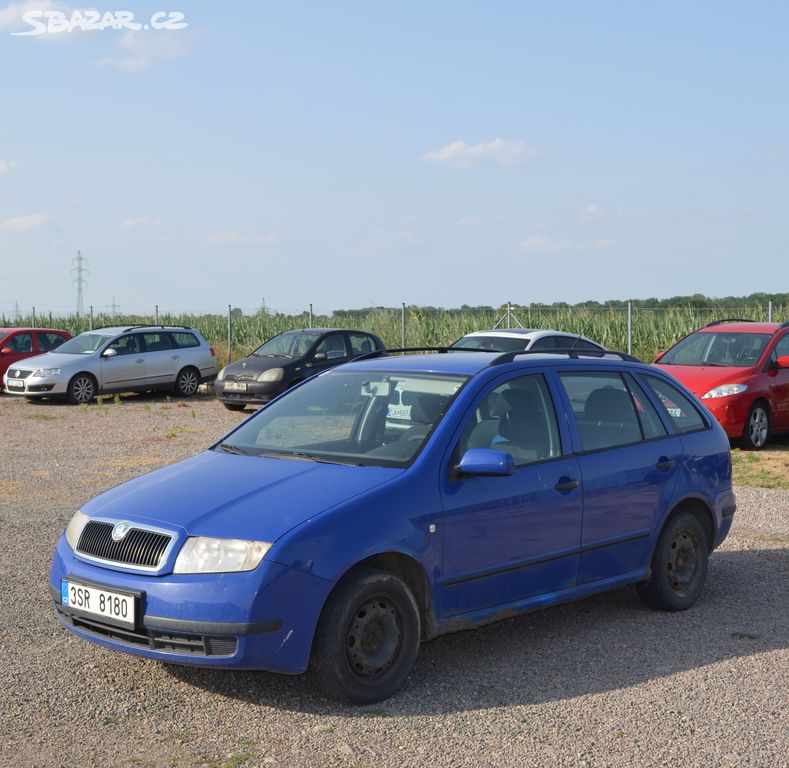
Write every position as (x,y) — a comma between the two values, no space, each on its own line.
(740,371)
(18,343)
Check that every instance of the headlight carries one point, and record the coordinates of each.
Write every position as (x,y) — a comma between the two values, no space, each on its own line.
(46,372)
(725,390)
(75,527)
(272,374)
(204,555)
(221,375)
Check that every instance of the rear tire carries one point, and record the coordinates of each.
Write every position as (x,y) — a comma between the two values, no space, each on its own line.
(367,638)
(757,428)
(81,389)
(187,382)
(234,406)
(679,565)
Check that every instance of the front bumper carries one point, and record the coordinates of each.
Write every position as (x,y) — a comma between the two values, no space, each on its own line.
(262,619)
(256,391)
(36,386)
(731,413)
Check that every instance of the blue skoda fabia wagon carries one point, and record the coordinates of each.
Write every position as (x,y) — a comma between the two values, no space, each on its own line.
(391,500)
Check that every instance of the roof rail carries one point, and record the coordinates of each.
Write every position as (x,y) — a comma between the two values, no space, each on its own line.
(145,325)
(440,350)
(730,320)
(572,352)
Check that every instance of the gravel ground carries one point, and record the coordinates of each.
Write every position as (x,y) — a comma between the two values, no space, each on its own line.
(603,682)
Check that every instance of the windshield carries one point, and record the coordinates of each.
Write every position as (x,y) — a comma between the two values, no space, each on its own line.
(288,344)
(84,344)
(492,343)
(350,417)
(730,349)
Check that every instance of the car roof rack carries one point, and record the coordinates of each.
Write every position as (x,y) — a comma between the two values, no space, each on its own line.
(572,352)
(398,350)
(730,320)
(146,325)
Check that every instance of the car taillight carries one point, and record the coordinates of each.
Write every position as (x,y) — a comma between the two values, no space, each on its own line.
(213,352)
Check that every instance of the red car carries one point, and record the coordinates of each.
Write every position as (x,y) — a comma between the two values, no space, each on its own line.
(740,371)
(18,343)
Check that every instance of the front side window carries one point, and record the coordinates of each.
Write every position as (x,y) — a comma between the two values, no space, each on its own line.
(683,414)
(333,346)
(345,417)
(126,345)
(517,417)
(719,348)
(603,408)
(782,347)
(20,343)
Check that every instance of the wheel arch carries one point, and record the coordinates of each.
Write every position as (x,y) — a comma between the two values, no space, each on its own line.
(700,510)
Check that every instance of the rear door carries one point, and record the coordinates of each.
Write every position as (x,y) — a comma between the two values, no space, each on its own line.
(162,358)
(49,340)
(510,538)
(629,467)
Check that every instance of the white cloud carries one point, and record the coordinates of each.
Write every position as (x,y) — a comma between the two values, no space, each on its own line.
(499,151)
(591,212)
(541,244)
(237,238)
(596,245)
(139,51)
(143,222)
(7,165)
(24,223)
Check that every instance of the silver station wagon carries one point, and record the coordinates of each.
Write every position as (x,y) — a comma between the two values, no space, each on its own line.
(117,359)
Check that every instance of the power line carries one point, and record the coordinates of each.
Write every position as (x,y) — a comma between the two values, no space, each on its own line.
(113,307)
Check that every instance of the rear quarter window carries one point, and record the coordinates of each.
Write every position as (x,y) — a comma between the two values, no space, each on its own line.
(680,409)
(185,339)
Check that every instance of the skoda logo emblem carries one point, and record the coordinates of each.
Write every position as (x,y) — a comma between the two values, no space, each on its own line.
(119,530)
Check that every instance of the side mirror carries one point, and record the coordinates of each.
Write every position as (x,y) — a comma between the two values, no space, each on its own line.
(319,356)
(109,352)
(6,351)
(486,462)
(781,362)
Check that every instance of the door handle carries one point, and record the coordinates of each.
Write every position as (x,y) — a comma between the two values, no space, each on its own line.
(566,484)
(664,463)
(175,357)
(139,361)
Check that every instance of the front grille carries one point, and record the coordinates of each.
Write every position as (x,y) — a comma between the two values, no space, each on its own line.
(139,547)
(18,373)
(193,645)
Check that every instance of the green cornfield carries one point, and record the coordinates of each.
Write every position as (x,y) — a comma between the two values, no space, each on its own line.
(653,329)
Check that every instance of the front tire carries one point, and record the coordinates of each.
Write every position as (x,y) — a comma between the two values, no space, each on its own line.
(81,389)
(367,638)
(187,382)
(679,565)
(757,428)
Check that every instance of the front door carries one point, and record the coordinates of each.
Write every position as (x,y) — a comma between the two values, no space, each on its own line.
(778,379)
(510,538)
(127,367)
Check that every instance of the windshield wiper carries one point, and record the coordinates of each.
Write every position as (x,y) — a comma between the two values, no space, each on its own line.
(233,449)
(302,456)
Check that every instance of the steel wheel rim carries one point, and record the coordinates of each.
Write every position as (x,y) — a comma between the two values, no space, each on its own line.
(684,562)
(189,383)
(758,427)
(374,638)
(83,390)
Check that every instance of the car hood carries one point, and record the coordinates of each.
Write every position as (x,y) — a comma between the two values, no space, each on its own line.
(236,497)
(51,360)
(700,379)
(258,364)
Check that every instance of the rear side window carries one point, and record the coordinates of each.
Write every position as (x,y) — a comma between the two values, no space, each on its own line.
(49,341)
(603,409)
(546,342)
(185,339)
(682,412)
(156,342)
(651,425)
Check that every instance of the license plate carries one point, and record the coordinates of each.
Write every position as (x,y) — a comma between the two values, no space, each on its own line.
(14,384)
(113,607)
(399,411)
(235,386)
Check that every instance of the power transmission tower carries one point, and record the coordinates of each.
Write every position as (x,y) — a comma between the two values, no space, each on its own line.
(113,307)
(16,311)
(79,281)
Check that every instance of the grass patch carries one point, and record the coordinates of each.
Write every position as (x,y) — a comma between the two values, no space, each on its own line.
(171,434)
(41,417)
(768,468)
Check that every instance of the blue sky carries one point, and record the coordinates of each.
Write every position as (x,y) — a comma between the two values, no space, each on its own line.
(357,153)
